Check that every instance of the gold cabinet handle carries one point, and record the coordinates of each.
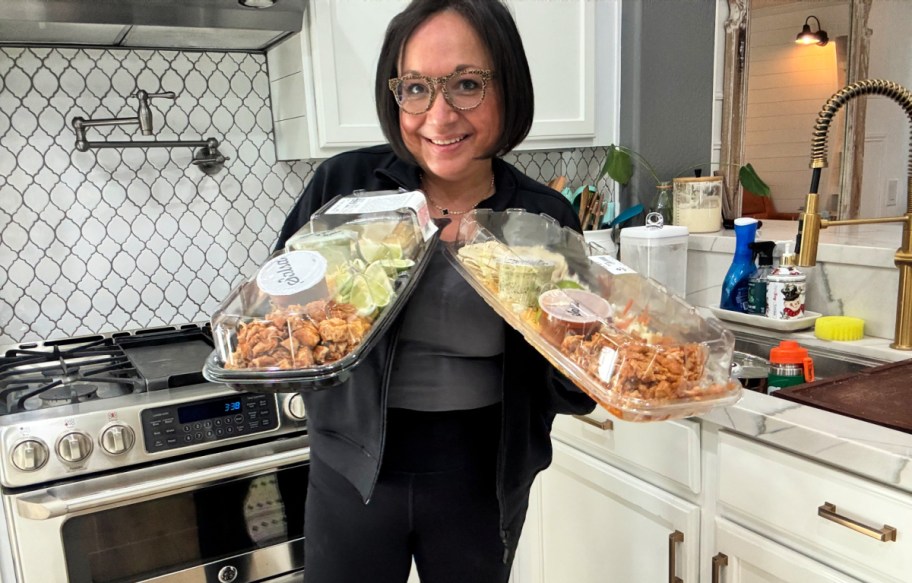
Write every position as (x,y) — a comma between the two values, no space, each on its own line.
(719,561)
(606,425)
(884,534)
(674,538)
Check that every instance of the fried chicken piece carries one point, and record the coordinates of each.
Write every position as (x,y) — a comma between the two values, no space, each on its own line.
(306,333)
(334,330)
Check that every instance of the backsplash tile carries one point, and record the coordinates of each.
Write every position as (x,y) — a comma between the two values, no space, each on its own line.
(114,239)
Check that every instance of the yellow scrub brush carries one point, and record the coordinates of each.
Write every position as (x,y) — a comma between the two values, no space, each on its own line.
(840,328)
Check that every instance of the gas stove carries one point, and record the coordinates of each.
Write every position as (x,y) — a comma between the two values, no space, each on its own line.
(101,403)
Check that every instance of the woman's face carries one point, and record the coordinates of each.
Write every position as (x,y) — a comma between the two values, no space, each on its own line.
(445,141)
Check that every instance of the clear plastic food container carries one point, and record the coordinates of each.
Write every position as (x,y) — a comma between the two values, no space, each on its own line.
(640,352)
(314,309)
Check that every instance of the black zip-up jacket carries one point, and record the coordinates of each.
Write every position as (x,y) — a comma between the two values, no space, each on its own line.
(347,423)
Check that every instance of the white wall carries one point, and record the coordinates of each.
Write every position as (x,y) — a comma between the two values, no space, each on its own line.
(887,127)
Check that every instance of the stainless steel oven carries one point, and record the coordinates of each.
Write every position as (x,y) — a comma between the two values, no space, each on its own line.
(232,516)
(158,476)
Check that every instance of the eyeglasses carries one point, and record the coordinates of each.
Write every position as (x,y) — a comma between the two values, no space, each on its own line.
(463,90)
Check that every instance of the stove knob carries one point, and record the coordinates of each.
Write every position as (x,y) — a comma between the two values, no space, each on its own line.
(30,455)
(117,439)
(294,406)
(74,447)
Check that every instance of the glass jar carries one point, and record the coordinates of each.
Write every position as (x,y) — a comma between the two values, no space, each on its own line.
(664,202)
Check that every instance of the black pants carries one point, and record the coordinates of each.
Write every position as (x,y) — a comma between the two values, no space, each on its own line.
(435,501)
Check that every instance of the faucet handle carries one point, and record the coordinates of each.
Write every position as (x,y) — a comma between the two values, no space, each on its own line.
(165,94)
(144,114)
(143,95)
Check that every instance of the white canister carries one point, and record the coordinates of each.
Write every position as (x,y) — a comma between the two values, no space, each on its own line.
(785,290)
(659,252)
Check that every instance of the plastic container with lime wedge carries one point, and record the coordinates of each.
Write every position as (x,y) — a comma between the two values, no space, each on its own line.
(315,309)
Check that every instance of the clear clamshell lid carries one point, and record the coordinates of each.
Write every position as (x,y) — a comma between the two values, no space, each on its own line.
(640,352)
(314,309)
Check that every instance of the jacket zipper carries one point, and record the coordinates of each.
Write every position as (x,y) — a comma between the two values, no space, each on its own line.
(384,396)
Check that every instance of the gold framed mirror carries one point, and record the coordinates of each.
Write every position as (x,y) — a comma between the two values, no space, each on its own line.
(773,90)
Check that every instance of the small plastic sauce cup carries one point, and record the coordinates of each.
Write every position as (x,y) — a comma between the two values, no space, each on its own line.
(571,311)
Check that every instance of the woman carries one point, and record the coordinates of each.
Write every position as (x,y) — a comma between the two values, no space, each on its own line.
(429,450)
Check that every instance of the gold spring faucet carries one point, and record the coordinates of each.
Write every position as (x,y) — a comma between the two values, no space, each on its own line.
(810,221)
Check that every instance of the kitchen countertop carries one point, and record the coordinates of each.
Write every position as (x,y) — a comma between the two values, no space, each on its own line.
(872,245)
(882,454)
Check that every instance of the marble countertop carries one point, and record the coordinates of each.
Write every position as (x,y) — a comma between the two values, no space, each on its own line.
(872,245)
(882,454)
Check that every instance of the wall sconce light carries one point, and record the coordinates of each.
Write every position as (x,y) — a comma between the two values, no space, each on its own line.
(806,37)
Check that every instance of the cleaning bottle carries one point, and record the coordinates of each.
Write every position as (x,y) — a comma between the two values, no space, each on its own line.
(756,285)
(785,289)
(789,365)
(734,286)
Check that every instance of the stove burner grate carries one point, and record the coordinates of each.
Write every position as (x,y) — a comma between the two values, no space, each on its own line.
(32,379)
(69,393)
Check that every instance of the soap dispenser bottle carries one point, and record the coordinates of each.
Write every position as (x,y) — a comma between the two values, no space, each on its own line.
(785,289)
(734,286)
(756,285)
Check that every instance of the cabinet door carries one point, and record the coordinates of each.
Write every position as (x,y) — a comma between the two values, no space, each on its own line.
(576,103)
(576,96)
(345,41)
(751,558)
(594,523)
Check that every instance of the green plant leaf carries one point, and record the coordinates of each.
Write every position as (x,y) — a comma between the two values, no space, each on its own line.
(752,182)
(617,165)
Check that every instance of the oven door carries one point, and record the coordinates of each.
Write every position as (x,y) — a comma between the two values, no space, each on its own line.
(228,517)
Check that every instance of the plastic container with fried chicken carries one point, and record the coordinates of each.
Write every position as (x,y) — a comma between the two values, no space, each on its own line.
(315,308)
(638,350)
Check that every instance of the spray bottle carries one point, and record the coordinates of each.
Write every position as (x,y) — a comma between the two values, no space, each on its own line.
(734,286)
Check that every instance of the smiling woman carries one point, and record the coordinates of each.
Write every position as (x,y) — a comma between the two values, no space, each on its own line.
(447,420)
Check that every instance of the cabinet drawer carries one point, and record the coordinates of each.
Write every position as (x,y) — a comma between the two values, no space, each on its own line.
(784,495)
(667,449)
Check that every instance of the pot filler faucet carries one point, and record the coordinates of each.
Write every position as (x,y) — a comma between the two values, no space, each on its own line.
(207,156)
(810,221)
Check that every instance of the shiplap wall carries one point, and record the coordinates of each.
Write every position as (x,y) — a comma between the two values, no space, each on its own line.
(787,85)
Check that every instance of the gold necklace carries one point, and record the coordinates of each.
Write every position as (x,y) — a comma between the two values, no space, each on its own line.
(446,211)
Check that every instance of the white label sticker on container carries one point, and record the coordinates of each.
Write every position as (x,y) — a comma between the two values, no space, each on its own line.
(414,200)
(612,265)
(291,273)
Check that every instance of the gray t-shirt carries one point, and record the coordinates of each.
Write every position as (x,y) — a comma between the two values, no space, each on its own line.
(450,350)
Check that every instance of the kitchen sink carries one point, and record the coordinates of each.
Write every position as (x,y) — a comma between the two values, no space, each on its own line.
(827,363)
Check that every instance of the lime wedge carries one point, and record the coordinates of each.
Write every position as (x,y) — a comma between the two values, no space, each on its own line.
(381,290)
(568,284)
(372,250)
(394,266)
(360,296)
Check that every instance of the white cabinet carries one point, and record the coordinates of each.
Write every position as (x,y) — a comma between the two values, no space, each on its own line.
(665,454)
(745,557)
(323,96)
(590,523)
(852,524)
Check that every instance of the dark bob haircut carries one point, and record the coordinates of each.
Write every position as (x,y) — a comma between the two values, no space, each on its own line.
(495,26)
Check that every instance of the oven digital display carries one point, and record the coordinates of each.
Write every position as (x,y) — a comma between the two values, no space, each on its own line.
(209,410)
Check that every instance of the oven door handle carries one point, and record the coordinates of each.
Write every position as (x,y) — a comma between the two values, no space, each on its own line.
(72,498)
